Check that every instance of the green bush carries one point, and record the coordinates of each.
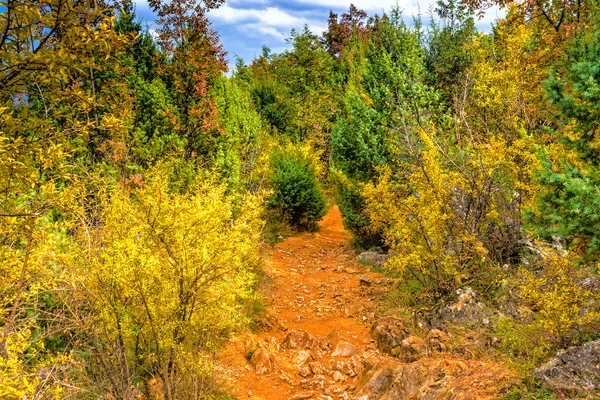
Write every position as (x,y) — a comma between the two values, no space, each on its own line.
(297,197)
(352,206)
(274,111)
(567,206)
(357,149)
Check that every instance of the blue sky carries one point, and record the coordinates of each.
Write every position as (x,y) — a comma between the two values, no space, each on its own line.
(246,25)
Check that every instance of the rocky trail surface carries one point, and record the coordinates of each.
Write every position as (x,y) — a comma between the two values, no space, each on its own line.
(324,336)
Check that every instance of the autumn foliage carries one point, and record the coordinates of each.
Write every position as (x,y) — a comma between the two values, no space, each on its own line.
(139,182)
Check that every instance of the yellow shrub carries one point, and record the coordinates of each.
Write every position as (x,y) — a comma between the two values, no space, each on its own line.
(447,218)
(167,278)
(419,223)
(560,304)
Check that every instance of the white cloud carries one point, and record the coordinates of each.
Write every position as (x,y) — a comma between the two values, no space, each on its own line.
(270,16)
(409,6)
(249,2)
(261,31)
(262,24)
(245,25)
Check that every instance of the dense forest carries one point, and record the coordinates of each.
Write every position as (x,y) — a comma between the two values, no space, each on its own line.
(141,182)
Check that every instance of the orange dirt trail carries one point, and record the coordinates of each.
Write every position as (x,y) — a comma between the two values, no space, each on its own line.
(315,286)
(315,342)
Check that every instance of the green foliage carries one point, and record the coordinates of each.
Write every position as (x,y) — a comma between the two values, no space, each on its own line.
(236,151)
(352,206)
(90,104)
(525,393)
(54,108)
(385,101)
(568,206)
(132,173)
(430,217)
(358,146)
(525,345)
(358,140)
(554,311)
(275,110)
(154,135)
(395,76)
(293,91)
(307,73)
(448,56)
(297,197)
(568,202)
(574,88)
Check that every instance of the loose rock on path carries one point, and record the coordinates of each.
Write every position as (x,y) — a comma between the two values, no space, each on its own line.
(317,343)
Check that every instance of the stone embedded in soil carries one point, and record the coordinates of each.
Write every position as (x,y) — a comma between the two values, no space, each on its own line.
(302,357)
(262,361)
(317,368)
(301,365)
(337,376)
(365,282)
(304,370)
(574,372)
(375,383)
(357,364)
(302,396)
(250,345)
(274,343)
(333,390)
(375,258)
(436,340)
(296,339)
(276,322)
(432,378)
(344,349)
(411,349)
(318,344)
(333,338)
(285,378)
(345,367)
(316,383)
(388,333)
(467,310)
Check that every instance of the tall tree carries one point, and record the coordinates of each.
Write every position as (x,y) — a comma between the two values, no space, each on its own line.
(568,202)
(448,55)
(340,29)
(194,58)
(556,13)
(52,114)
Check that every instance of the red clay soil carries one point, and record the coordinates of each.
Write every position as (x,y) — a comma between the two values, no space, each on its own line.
(316,286)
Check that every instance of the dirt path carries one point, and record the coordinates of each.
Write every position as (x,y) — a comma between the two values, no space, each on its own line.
(315,288)
(316,342)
